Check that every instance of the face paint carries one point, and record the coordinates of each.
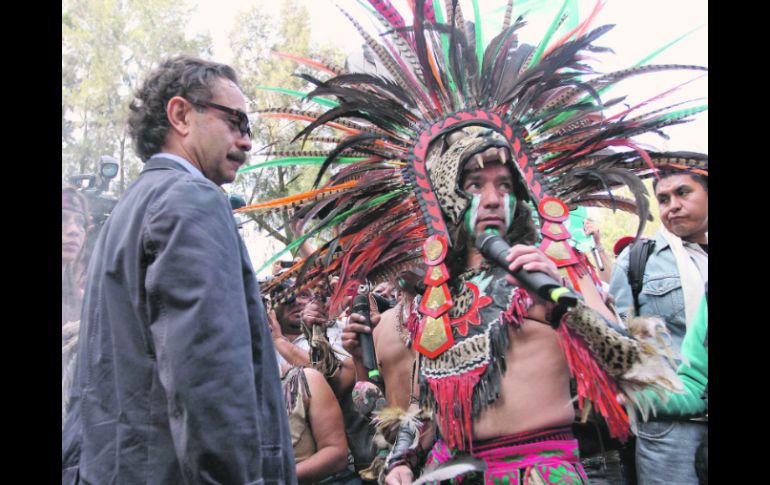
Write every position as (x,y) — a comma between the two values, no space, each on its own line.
(510,209)
(472,214)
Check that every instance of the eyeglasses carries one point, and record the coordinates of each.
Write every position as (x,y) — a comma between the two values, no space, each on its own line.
(243,120)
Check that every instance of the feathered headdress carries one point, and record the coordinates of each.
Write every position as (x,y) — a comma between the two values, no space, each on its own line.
(404,137)
(542,102)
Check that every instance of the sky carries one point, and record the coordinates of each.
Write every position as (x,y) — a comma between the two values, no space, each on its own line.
(641,28)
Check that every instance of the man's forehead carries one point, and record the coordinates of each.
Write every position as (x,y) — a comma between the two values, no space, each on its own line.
(491,168)
(226,91)
(673,182)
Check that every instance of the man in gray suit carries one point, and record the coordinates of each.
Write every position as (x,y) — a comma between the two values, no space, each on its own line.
(176,380)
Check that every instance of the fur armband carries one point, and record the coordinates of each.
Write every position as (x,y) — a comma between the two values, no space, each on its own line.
(606,363)
(406,448)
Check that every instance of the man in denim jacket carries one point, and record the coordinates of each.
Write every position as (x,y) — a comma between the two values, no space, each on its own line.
(673,283)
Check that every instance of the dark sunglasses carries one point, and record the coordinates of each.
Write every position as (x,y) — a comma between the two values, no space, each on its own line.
(243,120)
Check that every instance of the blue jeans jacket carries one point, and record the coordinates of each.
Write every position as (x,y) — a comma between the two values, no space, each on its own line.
(665,449)
(661,293)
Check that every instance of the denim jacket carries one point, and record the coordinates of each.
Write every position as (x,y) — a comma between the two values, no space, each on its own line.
(661,293)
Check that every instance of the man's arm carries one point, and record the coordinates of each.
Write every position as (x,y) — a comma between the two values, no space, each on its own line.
(693,371)
(591,228)
(201,334)
(328,430)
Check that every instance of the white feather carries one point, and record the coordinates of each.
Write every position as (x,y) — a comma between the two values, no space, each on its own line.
(453,468)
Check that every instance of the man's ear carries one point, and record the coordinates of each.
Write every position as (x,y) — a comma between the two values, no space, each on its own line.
(178,111)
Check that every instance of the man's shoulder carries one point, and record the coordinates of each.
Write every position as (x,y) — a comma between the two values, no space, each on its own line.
(180,191)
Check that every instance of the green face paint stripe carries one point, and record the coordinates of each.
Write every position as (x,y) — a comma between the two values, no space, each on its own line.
(510,209)
(472,214)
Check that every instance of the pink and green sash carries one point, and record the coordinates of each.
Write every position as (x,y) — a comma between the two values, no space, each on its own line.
(545,457)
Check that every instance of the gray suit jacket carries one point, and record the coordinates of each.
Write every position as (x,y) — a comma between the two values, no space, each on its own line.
(176,380)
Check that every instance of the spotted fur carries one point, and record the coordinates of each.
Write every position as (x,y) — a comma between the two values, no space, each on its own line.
(462,303)
(617,353)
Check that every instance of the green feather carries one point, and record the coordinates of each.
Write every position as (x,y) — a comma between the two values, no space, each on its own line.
(551,30)
(282,162)
(479,40)
(368,7)
(572,15)
(444,42)
(651,56)
(322,101)
(682,113)
(297,242)
(658,51)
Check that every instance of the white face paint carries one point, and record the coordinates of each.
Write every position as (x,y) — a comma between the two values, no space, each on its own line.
(492,201)
(472,214)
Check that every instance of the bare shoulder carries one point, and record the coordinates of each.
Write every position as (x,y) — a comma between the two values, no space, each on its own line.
(386,328)
(314,378)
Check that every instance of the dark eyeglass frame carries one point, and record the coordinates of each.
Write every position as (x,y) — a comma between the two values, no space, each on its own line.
(243,119)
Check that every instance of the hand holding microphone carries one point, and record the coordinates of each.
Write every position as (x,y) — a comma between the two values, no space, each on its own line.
(369,358)
(535,278)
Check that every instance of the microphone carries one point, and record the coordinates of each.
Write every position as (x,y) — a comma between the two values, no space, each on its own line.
(361,306)
(495,248)
(598,258)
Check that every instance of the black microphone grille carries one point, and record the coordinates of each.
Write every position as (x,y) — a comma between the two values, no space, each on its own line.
(483,239)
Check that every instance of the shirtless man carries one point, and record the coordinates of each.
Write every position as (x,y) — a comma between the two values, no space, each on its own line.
(517,402)
(394,357)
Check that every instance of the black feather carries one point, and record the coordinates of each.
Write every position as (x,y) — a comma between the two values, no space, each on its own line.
(347,143)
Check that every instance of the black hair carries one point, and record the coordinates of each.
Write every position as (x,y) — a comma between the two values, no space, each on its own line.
(703,180)
(184,76)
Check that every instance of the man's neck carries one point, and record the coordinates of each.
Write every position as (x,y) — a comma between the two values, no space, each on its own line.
(179,150)
(697,239)
(292,336)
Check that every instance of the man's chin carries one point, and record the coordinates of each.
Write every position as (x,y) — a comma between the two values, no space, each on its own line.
(485,226)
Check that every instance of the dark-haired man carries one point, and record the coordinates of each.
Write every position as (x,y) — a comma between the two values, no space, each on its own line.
(504,384)
(675,275)
(177,380)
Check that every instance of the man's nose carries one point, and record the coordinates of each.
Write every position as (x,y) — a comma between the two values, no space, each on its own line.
(244,142)
(490,197)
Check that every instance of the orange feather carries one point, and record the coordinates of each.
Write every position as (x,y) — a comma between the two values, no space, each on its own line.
(292,116)
(295,198)
(306,61)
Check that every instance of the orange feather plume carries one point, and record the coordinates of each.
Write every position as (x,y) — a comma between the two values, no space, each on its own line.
(296,198)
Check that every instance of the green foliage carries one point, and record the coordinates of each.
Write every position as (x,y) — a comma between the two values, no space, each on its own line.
(108,47)
(253,45)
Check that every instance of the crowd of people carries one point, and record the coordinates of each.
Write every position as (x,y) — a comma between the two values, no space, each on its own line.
(405,346)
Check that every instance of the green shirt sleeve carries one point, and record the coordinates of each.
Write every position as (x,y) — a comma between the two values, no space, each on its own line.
(695,375)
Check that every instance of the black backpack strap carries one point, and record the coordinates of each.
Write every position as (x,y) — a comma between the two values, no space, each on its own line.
(637,260)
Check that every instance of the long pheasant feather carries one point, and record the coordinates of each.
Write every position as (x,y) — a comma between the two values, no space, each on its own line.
(549,33)
(324,102)
(579,29)
(282,162)
(293,199)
